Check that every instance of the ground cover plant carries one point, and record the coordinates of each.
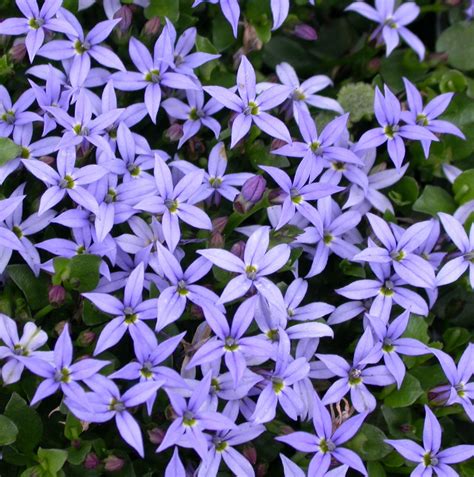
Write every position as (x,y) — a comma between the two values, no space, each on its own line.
(236,238)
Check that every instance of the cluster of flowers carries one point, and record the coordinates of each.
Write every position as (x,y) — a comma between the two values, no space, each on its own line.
(252,359)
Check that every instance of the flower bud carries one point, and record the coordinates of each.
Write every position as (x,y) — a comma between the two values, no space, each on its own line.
(277,143)
(262,470)
(216,240)
(254,188)
(18,51)
(91,461)
(86,338)
(252,191)
(152,28)
(174,133)
(60,327)
(276,196)
(250,453)
(219,223)
(305,32)
(125,14)
(439,395)
(156,435)
(57,295)
(48,160)
(196,312)
(113,463)
(238,249)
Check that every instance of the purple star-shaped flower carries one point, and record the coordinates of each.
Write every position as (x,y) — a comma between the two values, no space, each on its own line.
(36,23)
(429,457)
(389,114)
(326,444)
(257,263)
(250,107)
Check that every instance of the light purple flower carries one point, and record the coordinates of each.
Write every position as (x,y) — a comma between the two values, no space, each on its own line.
(354,377)
(129,313)
(258,262)
(457,266)
(392,23)
(61,373)
(67,180)
(15,349)
(35,23)
(389,114)
(79,48)
(459,390)
(429,457)
(326,444)
(154,72)
(173,202)
(250,107)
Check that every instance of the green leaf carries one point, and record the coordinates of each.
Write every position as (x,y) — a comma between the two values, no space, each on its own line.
(34,288)
(417,328)
(357,99)
(222,36)
(8,150)
(399,422)
(73,427)
(28,421)
(408,393)
(404,192)
(375,469)
(463,187)
(454,338)
(458,42)
(76,455)
(369,443)
(434,199)
(163,8)
(8,431)
(52,460)
(80,273)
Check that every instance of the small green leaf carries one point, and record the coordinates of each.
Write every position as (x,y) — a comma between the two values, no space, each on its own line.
(404,192)
(34,288)
(408,393)
(163,8)
(434,199)
(80,273)
(455,337)
(52,460)
(369,443)
(76,455)
(458,42)
(8,150)
(357,99)
(463,187)
(27,420)
(8,431)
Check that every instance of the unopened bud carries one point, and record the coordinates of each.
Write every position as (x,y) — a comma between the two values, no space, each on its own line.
(219,224)
(254,188)
(60,327)
(152,28)
(156,435)
(216,240)
(277,143)
(196,312)
(276,196)
(57,295)
(250,454)
(238,249)
(91,461)
(174,133)
(439,395)
(113,463)
(86,338)
(125,14)
(305,32)
(18,51)
(262,470)
(406,428)
(48,160)
(252,191)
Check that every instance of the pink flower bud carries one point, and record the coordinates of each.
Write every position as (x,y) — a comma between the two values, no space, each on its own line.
(152,28)
(305,32)
(238,249)
(91,461)
(113,463)
(156,435)
(56,295)
(174,133)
